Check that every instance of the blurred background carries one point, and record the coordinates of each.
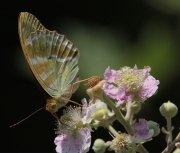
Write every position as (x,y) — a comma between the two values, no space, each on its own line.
(107,33)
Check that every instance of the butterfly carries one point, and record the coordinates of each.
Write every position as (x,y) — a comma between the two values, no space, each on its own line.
(53,60)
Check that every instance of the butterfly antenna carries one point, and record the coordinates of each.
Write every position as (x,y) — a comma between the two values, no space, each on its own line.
(26,117)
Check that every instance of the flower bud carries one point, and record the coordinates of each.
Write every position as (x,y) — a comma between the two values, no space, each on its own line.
(100,114)
(99,146)
(155,127)
(95,90)
(101,111)
(168,110)
(178,145)
(136,108)
(177,151)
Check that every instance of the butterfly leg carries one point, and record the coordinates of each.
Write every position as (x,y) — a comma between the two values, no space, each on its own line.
(73,89)
(68,100)
(55,115)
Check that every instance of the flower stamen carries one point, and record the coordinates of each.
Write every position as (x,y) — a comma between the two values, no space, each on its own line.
(130,79)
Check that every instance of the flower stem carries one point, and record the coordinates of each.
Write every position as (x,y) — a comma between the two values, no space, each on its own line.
(168,119)
(119,116)
(141,149)
(112,130)
(123,121)
(103,122)
(129,113)
(170,147)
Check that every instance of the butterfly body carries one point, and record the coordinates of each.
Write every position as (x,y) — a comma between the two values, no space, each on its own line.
(52,59)
(53,104)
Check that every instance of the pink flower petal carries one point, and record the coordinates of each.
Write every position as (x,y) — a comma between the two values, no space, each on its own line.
(118,94)
(85,106)
(149,87)
(89,112)
(141,131)
(109,75)
(110,90)
(135,67)
(84,141)
(123,97)
(74,144)
(146,70)
(84,102)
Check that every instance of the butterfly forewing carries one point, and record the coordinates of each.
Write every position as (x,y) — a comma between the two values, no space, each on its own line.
(27,23)
(51,57)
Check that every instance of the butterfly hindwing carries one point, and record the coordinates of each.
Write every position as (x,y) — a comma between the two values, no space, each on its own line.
(53,61)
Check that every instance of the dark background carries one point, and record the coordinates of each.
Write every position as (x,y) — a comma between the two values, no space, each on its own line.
(107,33)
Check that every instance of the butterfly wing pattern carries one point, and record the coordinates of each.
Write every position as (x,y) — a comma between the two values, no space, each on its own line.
(52,59)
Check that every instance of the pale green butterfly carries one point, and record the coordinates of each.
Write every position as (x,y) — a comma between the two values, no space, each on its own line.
(52,59)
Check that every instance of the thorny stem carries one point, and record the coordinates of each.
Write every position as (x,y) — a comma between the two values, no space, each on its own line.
(170,147)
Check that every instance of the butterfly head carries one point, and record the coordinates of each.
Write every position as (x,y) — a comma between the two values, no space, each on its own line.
(54,104)
(51,105)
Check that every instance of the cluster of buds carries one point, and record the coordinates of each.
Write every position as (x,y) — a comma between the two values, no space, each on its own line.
(122,90)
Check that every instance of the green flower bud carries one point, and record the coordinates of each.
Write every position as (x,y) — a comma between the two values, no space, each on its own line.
(102,111)
(177,151)
(136,108)
(155,127)
(100,114)
(99,146)
(168,110)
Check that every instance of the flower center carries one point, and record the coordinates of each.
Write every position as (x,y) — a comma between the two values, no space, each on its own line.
(131,80)
(70,121)
(122,143)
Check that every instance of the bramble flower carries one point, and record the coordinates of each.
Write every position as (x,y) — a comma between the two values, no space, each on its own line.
(129,84)
(79,143)
(122,143)
(73,129)
(141,131)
